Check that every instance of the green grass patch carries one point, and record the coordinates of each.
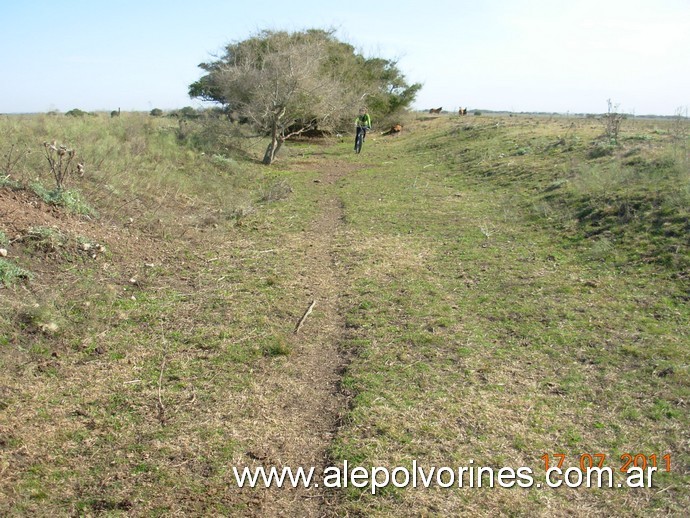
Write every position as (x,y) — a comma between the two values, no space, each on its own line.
(485,333)
(69,199)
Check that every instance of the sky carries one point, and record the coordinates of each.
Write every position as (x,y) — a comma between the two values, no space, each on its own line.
(503,55)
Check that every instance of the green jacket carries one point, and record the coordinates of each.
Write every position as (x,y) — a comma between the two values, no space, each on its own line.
(363,121)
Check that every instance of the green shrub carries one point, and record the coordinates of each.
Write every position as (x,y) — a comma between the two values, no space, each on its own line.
(280,190)
(600,149)
(223,161)
(76,112)
(11,273)
(46,238)
(6,182)
(188,113)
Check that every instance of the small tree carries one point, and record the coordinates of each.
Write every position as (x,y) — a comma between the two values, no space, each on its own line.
(612,122)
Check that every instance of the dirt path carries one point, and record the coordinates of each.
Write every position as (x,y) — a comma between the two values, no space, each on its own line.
(300,405)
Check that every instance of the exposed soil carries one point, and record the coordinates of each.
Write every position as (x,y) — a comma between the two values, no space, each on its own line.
(21,211)
(118,252)
(301,405)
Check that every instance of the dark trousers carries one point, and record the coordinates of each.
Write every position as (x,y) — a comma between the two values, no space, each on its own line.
(363,131)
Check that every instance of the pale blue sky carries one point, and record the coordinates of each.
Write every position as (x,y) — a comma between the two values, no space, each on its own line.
(519,55)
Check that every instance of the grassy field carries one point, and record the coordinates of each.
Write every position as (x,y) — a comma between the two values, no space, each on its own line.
(486,290)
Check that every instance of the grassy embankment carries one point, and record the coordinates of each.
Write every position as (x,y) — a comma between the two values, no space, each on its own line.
(519,292)
(122,365)
(509,290)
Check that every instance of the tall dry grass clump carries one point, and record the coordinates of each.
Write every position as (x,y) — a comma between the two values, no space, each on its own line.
(128,166)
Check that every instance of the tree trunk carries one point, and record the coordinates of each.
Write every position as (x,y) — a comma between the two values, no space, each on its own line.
(270,154)
(273,146)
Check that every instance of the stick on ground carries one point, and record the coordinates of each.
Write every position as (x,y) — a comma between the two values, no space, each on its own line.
(159,405)
(304,317)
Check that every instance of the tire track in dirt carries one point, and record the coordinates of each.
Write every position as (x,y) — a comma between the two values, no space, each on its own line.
(301,404)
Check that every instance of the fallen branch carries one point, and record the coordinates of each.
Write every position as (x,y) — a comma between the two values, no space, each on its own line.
(304,317)
(159,405)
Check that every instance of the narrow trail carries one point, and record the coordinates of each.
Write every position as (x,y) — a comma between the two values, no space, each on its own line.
(301,404)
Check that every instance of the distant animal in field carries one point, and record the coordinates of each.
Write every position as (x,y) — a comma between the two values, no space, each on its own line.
(462,111)
(397,128)
(115,113)
(435,110)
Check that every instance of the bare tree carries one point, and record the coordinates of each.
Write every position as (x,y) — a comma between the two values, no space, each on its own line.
(612,122)
(282,92)
(285,84)
(679,132)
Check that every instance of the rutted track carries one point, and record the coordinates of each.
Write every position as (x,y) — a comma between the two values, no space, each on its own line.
(301,403)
